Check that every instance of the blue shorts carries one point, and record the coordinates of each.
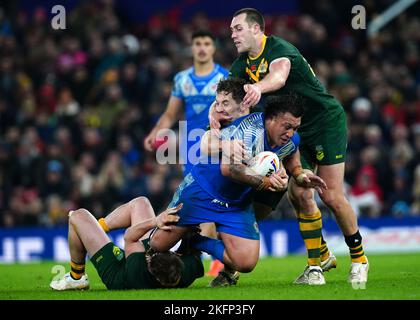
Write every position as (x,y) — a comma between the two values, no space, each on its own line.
(200,207)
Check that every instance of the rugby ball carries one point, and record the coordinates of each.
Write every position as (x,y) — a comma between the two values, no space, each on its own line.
(265,163)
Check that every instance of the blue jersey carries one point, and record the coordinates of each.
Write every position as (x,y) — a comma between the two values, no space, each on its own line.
(198,93)
(250,129)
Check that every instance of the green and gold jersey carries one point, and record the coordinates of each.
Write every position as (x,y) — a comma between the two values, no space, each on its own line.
(321,108)
(138,276)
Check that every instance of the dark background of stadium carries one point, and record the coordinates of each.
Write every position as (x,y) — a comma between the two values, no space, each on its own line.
(76,104)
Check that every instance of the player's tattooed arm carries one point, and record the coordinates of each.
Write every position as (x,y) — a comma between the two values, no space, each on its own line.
(242,174)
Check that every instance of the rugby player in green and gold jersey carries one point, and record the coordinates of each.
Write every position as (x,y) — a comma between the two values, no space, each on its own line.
(135,267)
(274,66)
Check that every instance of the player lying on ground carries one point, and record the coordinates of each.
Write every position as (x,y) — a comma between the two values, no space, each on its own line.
(135,267)
(222,192)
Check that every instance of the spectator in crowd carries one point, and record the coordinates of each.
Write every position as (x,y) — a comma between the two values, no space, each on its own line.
(93,93)
(415,206)
(366,194)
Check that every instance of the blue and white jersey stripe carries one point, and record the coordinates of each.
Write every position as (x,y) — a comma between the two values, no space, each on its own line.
(250,129)
(197,93)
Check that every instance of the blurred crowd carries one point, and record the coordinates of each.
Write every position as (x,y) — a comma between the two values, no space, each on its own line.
(76,104)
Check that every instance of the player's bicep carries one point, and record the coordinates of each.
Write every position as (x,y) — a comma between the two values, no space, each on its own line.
(281,67)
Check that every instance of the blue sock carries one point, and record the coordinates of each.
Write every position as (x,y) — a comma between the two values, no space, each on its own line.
(212,246)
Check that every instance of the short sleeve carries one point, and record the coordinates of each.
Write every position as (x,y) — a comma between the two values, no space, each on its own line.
(278,51)
(177,90)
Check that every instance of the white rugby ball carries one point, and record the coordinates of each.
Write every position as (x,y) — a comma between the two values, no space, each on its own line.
(265,163)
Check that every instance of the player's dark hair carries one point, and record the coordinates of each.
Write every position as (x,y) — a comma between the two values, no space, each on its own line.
(203,33)
(166,267)
(276,105)
(252,16)
(234,86)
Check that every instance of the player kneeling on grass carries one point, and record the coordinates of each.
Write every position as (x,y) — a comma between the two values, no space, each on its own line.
(135,267)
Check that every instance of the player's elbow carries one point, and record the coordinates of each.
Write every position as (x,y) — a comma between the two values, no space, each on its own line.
(128,238)
(280,83)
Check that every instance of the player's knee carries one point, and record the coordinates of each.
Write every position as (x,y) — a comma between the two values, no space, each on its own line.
(302,197)
(139,203)
(334,200)
(78,215)
(247,268)
(246,265)
(245,262)
(306,196)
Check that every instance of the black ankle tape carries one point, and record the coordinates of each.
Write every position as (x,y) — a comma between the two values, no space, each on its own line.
(353,240)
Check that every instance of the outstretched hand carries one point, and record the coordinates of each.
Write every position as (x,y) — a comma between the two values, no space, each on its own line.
(252,96)
(216,119)
(310,180)
(167,218)
(149,141)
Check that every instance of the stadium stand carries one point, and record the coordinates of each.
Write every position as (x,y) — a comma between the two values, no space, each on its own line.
(76,104)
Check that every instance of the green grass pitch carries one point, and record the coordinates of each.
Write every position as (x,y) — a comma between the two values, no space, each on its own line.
(393,277)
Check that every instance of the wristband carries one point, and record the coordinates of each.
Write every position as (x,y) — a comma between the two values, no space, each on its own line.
(297,171)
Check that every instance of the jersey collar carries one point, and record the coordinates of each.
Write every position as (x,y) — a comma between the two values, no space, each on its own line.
(264,41)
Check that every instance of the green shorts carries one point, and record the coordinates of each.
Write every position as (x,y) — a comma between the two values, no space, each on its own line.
(268,198)
(109,261)
(326,146)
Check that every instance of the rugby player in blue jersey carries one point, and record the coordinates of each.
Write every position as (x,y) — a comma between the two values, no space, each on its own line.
(194,90)
(220,192)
